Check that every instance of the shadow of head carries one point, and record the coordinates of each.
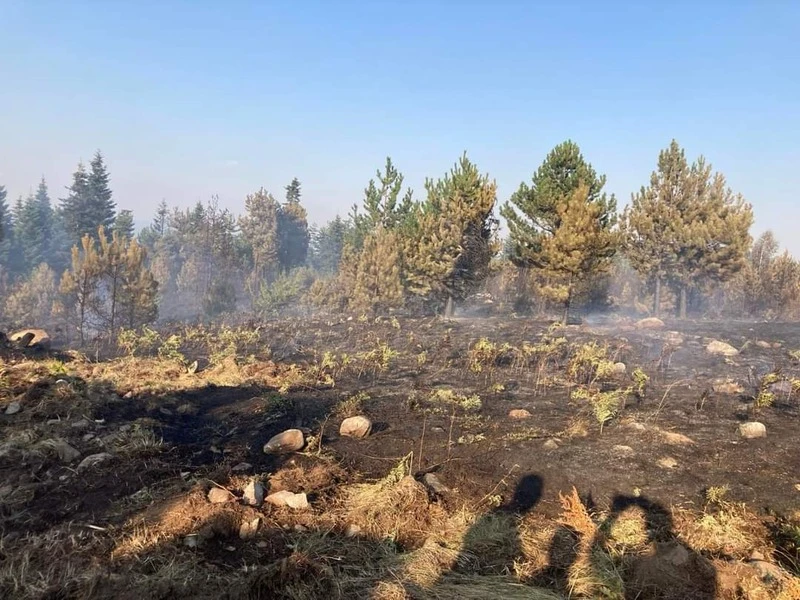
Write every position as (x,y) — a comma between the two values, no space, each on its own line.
(658,519)
(527,494)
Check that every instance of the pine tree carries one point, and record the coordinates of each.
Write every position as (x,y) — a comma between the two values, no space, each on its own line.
(138,298)
(378,282)
(34,229)
(579,247)
(124,225)
(533,212)
(80,286)
(30,304)
(653,222)
(102,208)
(293,236)
(451,239)
(327,245)
(260,230)
(3,214)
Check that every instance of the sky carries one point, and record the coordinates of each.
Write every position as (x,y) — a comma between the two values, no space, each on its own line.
(192,99)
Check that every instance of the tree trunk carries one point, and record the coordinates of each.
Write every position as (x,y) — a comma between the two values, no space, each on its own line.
(682,309)
(568,302)
(657,300)
(448,308)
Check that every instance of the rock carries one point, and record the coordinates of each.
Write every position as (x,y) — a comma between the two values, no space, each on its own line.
(31,338)
(783,387)
(286,498)
(623,450)
(667,462)
(637,426)
(727,386)
(165,411)
(752,429)
(519,414)
(66,453)
(620,368)
(432,482)
(13,408)
(763,344)
(767,571)
(437,429)
(242,467)
(550,444)
(80,424)
(254,494)
(675,438)
(721,349)
(192,540)
(649,323)
(186,409)
(357,427)
(218,495)
(290,440)
(128,395)
(248,529)
(676,554)
(88,437)
(352,530)
(94,459)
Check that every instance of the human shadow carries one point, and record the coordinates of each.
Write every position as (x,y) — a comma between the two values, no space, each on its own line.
(492,543)
(664,568)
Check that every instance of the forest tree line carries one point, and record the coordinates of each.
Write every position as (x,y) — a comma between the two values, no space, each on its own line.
(681,246)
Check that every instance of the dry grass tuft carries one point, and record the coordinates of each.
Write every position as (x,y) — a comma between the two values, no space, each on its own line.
(729,530)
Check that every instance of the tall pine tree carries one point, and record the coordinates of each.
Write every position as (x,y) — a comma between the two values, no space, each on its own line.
(124,225)
(293,236)
(102,205)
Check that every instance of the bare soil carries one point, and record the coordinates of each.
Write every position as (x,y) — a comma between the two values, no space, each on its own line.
(139,524)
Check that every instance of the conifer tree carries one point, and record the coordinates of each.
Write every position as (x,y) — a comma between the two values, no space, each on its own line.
(533,212)
(102,208)
(75,207)
(259,227)
(3,215)
(34,229)
(579,247)
(293,236)
(653,222)
(327,245)
(378,282)
(30,303)
(138,298)
(452,238)
(124,225)
(80,286)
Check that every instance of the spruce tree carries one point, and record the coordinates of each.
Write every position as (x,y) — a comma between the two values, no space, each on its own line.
(75,207)
(3,214)
(327,245)
(102,208)
(124,225)
(6,229)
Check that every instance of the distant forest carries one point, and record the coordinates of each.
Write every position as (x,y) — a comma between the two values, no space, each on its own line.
(681,247)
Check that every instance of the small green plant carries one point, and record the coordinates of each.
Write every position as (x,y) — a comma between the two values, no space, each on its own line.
(138,343)
(485,355)
(589,363)
(716,494)
(395,323)
(352,405)
(605,405)
(422,358)
(640,380)
(448,396)
(378,359)
(170,349)
(56,368)
(765,397)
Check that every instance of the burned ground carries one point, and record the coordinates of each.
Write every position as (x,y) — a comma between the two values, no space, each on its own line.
(665,500)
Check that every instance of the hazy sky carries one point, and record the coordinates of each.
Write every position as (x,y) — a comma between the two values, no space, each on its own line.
(192,99)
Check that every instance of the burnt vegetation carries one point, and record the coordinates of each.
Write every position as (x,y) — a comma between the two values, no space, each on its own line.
(400,404)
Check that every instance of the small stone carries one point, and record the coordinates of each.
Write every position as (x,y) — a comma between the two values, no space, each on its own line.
(54,421)
(637,426)
(128,395)
(125,428)
(218,495)
(242,467)
(81,424)
(727,386)
(230,548)
(357,427)
(254,494)
(186,409)
(783,387)
(623,450)
(352,530)
(13,408)
(519,414)
(165,411)
(437,429)
(432,482)
(667,462)
(94,459)
(677,554)
(66,453)
(767,571)
(721,349)
(248,529)
(290,440)
(192,540)
(88,437)
(756,555)
(649,323)
(620,368)
(300,528)
(763,344)
(286,498)
(752,430)
(550,444)
(797,486)
(263,544)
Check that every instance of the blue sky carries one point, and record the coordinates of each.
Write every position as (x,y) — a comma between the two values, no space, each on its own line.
(197,98)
